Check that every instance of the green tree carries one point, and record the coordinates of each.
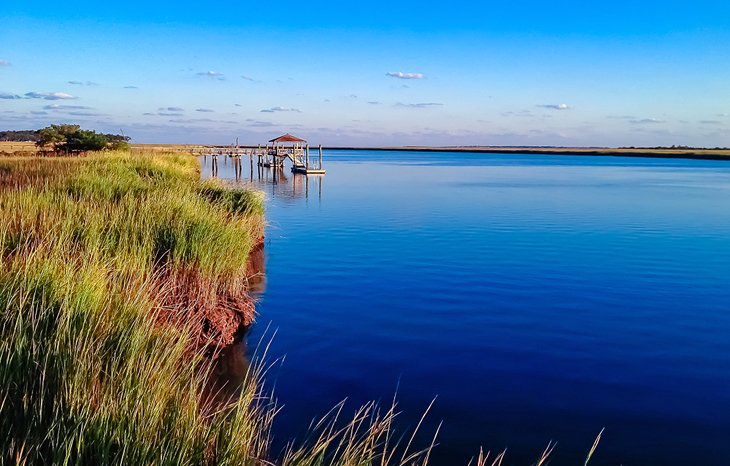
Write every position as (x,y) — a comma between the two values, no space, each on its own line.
(82,139)
(55,136)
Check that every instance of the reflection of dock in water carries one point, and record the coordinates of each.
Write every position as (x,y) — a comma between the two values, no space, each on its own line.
(273,179)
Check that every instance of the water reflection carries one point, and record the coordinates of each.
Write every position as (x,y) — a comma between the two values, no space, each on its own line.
(278,181)
(228,371)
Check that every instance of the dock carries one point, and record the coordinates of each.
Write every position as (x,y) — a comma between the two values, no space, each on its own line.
(274,154)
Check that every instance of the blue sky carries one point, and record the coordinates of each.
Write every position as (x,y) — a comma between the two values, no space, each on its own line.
(373,73)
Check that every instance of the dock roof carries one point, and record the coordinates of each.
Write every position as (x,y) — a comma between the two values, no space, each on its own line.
(287,138)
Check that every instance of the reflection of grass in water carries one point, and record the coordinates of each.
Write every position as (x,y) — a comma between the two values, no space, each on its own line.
(94,366)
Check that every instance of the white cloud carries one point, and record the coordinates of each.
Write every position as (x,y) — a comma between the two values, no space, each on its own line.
(49,95)
(213,74)
(5,95)
(419,105)
(57,107)
(280,109)
(556,106)
(402,75)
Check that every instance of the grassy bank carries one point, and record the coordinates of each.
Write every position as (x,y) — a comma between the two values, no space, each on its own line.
(99,361)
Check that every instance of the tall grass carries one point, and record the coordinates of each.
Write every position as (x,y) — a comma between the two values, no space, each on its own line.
(108,266)
(90,368)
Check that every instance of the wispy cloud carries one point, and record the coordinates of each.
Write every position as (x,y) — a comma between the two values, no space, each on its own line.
(175,114)
(621,117)
(60,108)
(556,106)
(280,109)
(192,120)
(213,74)
(374,102)
(171,109)
(38,112)
(250,79)
(419,105)
(646,121)
(521,113)
(49,95)
(4,63)
(83,83)
(131,87)
(402,75)
(204,110)
(5,95)
(710,122)
(260,123)
(88,114)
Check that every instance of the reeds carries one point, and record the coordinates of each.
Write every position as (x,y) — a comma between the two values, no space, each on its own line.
(91,368)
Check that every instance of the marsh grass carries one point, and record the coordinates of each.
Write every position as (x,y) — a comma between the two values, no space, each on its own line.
(96,361)
(90,372)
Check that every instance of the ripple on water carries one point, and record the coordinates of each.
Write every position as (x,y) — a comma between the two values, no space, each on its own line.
(540,297)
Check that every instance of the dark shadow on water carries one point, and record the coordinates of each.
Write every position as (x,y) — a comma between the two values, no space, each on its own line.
(229,365)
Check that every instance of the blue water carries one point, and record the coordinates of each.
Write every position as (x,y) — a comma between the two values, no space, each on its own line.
(536,297)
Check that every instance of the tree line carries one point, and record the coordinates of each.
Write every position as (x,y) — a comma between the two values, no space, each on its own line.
(28,135)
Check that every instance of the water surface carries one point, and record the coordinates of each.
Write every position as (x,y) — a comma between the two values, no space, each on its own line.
(537,297)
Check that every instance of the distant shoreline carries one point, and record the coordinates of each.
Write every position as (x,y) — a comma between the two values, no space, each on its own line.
(698,154)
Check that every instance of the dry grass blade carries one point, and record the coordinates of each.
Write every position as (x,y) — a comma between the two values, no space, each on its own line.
(546,453)
(594,446)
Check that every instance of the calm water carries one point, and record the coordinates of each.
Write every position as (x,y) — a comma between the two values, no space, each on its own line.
(537,297)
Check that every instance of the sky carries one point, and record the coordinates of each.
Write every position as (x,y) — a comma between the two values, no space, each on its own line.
(566,73)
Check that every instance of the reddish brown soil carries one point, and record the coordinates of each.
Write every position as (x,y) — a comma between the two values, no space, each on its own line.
(215,314)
